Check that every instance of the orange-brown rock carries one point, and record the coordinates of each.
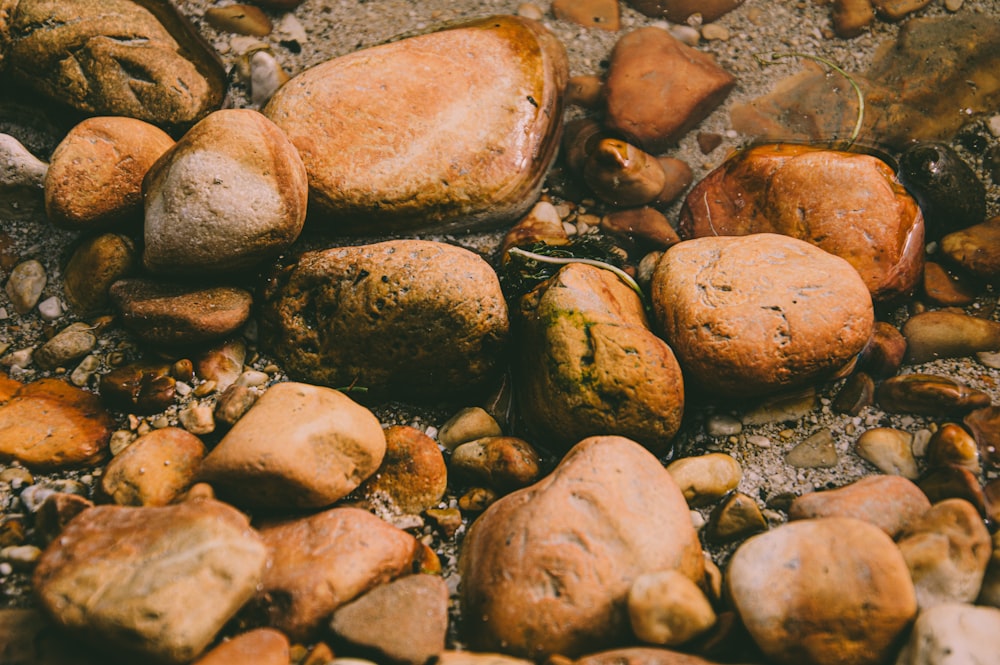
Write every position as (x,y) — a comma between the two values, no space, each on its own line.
(49,424)
(976,248)
(889,502)
(154,469)
(601,14)
(589,364)
(412,477)
(849,204)
(642,656)
(678,11)
(468,121)
(748,315)
(657,88)
(261,646)
(547,569)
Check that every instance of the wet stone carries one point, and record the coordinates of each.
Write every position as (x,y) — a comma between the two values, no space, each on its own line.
(948,334)
(950,194)
(884,352)
(975,248)
(95,265)
(468,424)
(984,424)
(857,392)
(890,450)
(929,395)
(504,463)
(222,364)
(953,482)
(737,517)
(704,479)
(155,469)
(943,288)
(952,445)
(142,388)
(233,403)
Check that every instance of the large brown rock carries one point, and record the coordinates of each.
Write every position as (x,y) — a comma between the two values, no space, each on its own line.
(154,469)
(548,568)
(114,57)
(830,591)
(889,502)
(450,130)
(323,561)
(230,194)
(403,318)
(849,204)
(748,315)
(299,446)
(657,88)
(588,363)
(153,583)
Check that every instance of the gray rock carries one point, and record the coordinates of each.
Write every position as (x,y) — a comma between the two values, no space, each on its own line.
(71,343)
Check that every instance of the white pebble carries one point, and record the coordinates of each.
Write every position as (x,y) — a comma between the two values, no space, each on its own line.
(50,308)
(252,378)
(994,124)
(953,5)
(714,32)
(18,167)
(759,441)
(686,34)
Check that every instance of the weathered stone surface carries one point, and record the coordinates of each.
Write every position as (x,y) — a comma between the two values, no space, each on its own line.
(547,569)
(849,204)
(403,621)
(889,502)
(179,314)
(320,562)
(485,100)
(214,205)
(406,318)
(891,450)
(95,265)
(602,14)
(657,88)
(953,634)
(503,463)
(71,343)
(49,424)
(947,551)
(750,315)
(261,646)
(154,469)
(588,363)
(826,591)
(115,57)
(95,176)
(156,583)
(412,477)
(299,446)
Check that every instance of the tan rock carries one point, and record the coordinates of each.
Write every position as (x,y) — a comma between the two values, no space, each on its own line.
(851,17)
(401,318)
(601,14)
(894,10)
(95,175)
(704,479)
(668,608)
(948,334)
(468,424)
(214,205)
(678,11)
(657,88)
(547,569)
(929,394)
(68,345)
(469,658)
(503,463)
(947,289)
(891,450)
(588,363)
(154,469)
(947,551)
(261,646)
(485,145)
(736,517)
(412,476)
(807,593)
(951,444)
(320,562)
(240,19)
(646,225)
(740,328)
(889,502)
(953,633)
(95,265)
(975,248)
(157,583)
(642,656)
(49,424)
(299,446)
(403,621)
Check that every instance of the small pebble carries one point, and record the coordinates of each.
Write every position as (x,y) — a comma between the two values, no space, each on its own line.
(252,378)
(704,479)
(68,345)
(21,557)
(51,308)
(81,375)
(723,425)
(667,608)
(714,32)
(25,284)
(816,452)
(197,419)
(467,425)
(530,10)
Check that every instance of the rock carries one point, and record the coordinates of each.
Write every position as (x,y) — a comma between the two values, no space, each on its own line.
(857,392)
(982,423)
(647,226)
(300,446)
(547,569)
(953,482)
(95,265)
(403,621)
(807,593)
(657,88)
(469,658)
(810,312)
(402,318)
(412,476)
(947,551)
(165,314)
(704,479)
(642,656)
(485,145)
(803,192)
(953,633)
(49,424)
(216,206)
(325,560)
(889,502)
(602,14)
(950,195)
(261,646)
(71,343)
(588,363)
(233,403)
(930,395)
(157,583)
(18,167)
(989,593)
(154,469)
(623,175)
(585,90)
(25,284)
(468,424)
(851,17)
(946,289)
(948,334)
(222,364)
(883,356)
(817,451)
(895,10)
(541,224)
(115,57)
(735,518)
(56,511)
(503,463)
(240,19)
(952,445)
(975,248)
(891,450)
(95,175)
(667,608)
(139,387)
(679,11)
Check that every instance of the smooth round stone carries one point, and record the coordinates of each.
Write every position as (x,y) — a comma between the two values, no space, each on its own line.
(889,502)
(95,175)
(679,11)
(831,591)
(468,424)
(95,265)
(943,288)
(888,449)
(25,284)
(154,469)
(215,205)
(950,194)
(953,634)
(948,334)
(503,463)
(139,387)
(738,516)
(817,451)
(261,646)
(952,445)
(176,315)
(751,315)
(929,395)
(413,476)
(704,479)
(478,107)
(976,248)
(667,608)
(71,343)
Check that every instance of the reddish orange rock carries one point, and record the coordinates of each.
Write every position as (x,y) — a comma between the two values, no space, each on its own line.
(263,646)
(601,14)
(50,424)
(155,469)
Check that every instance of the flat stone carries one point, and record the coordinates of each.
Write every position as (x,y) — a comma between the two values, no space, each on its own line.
(735,518)
(678,11)
(24,285)
(484,97)
(154,469)
(817,451)
(948,334)
(891,503)
(930,395)
(71,343)
(467,424)
(602,14)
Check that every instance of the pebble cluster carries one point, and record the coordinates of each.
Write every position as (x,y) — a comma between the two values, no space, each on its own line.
(205,460)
